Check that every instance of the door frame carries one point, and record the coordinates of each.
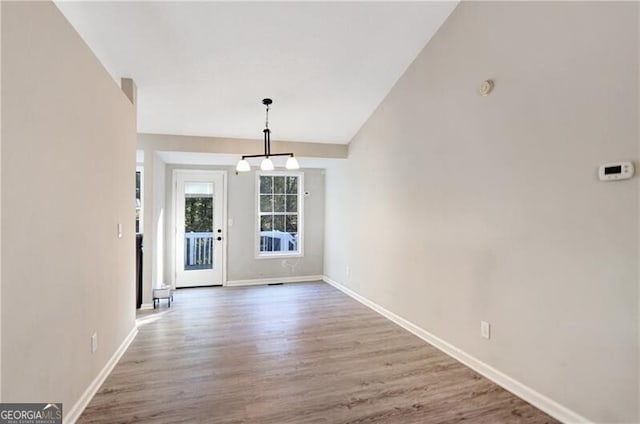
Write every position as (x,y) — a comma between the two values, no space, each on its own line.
(174,217)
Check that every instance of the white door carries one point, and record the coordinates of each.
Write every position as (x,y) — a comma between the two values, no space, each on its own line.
(199,228)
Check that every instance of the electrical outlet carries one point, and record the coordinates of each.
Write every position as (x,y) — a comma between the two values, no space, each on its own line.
(119,230)
(94,343)
(485,329)
(348,271)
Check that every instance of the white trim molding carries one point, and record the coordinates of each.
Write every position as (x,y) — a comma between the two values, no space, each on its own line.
(263,281)
(519,389)
(74,413)
(146,306)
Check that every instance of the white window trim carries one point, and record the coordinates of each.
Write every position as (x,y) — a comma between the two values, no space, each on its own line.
(280,255)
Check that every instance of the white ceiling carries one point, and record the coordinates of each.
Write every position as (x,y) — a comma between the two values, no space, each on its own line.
(202,68)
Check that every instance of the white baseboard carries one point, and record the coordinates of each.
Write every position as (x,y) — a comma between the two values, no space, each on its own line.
(519,389)
(262,281)
(146,306)
(74,413)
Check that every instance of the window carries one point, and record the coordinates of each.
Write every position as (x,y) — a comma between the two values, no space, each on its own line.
(279,214)
(139,227)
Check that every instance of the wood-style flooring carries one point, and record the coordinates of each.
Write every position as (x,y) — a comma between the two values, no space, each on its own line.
(296,353)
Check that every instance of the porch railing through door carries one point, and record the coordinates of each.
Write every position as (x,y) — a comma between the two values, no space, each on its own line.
(198,251)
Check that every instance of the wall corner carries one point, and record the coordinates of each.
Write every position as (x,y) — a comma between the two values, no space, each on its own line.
(130,89)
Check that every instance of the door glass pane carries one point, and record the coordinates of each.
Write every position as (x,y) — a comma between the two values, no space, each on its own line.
(198,226)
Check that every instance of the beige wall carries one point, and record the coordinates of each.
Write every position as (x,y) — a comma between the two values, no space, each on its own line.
(455,208)
(0,214)
(241,261)
(68,161)
(638,138)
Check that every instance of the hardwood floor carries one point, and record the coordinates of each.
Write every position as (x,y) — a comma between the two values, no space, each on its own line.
(296,353)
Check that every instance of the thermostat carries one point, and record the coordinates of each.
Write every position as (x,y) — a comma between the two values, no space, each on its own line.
(616,171)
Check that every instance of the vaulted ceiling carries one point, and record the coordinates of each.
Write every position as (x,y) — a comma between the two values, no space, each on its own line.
(202,68)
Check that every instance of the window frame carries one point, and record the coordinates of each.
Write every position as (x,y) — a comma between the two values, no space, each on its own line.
(287,254)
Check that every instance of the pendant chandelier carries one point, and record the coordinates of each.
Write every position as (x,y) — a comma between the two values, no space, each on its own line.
(267,164)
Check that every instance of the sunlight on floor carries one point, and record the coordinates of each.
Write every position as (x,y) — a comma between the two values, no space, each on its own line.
(148,319)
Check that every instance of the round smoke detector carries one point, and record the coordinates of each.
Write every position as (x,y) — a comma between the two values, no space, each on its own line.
(486,87)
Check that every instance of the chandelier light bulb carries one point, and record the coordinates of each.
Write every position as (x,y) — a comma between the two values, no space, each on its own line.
(266,165)
(292,163)
(243,166)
